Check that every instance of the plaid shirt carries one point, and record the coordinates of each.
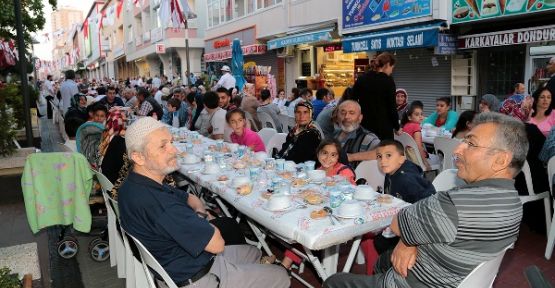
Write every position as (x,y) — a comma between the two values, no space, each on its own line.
(145,109)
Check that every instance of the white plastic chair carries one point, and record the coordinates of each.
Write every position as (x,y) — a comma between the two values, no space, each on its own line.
(551,233)
(117,249)
(149,262)
(447,180)
(287,122)
(266,134)
(408,141)
(253,124)
(136,275)
(319,130)
(266,120)
(484,274)
(446,146)
(369,170)
(536,196)
(275,142)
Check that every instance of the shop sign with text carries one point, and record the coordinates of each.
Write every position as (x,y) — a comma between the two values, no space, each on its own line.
(422,38)
(357,13)
(512,37)
(472,10)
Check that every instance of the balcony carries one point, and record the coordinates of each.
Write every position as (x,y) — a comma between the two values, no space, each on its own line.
(138,41)
(156,34)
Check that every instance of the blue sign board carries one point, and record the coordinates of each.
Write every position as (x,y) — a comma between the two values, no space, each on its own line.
(446,45)
(357,13)
(322,35)
(401,39)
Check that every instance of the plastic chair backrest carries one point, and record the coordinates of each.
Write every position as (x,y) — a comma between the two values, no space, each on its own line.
(447,180)
(266,120)
(484,274)
(134,263)
(407,142)
(150,262)
(287,122)
(528,178)
(551,173)
(266,134)
(369,170)
(275,142)
(446,146)
(254,127)
(104,182)
(319,130)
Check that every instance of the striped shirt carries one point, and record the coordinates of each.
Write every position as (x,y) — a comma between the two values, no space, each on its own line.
(456,230)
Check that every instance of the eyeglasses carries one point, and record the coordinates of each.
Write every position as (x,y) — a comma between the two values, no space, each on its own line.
(470,144)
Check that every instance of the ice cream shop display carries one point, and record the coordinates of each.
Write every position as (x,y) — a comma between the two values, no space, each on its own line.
(472,10)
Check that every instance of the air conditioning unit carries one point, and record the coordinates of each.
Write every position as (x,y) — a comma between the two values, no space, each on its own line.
(284,52)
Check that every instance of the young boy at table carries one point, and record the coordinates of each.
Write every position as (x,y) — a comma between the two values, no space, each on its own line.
(404,180)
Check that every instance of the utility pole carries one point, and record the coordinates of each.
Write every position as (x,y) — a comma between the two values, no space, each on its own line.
(23,72)
(187,50)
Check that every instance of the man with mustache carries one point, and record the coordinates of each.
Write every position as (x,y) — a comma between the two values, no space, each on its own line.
(358,143)
(173,225)
(445,236)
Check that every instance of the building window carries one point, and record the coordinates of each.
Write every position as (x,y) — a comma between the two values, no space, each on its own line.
(222,11)
(240,8)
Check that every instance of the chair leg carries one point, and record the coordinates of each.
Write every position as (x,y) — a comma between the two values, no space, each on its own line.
(547,207)
(550,239)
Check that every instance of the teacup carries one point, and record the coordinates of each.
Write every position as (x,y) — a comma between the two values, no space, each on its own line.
(232,147)
(290,166)
(241,180)
(316,175)
(190,159)
(278,202)
(364,192)
(211,168)
(260,156)
(350,208)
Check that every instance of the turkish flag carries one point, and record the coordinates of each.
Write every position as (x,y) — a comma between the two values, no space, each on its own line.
(119,8)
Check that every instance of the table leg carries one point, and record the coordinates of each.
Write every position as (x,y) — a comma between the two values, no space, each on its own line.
(331,257)
(352,254)
(261,238)
(317,265)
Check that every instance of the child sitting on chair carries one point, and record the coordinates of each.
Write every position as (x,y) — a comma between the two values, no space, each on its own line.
(404,180)
(242,134)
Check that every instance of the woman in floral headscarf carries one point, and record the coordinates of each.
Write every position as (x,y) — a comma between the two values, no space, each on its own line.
(401,100)
(302,141)
(112,146)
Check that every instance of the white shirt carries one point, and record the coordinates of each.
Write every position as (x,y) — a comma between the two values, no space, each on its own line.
(68,89)
(156,82)
(227,81)
(158,97)
(218,122)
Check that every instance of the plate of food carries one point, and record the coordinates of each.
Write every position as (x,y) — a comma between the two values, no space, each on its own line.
(318,214)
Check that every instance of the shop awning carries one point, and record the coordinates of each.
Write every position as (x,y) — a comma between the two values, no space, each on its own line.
(393,39)
(303,38)
(254,49)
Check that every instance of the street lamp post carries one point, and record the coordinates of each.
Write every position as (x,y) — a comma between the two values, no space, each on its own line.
(187,50)
(23,72)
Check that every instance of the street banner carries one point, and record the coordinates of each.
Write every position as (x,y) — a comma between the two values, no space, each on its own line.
(473,10)
(358,13)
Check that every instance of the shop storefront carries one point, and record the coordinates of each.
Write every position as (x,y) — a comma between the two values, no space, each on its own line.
(511,43)
(218,53)
(511,56)
(423,54)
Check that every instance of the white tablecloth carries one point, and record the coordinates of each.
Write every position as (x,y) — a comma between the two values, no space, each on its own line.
(294,225)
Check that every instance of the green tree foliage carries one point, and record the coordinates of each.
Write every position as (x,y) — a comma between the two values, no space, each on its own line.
(32,17)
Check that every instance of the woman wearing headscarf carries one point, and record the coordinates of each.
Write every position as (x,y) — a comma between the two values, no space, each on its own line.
(302,141)
(401,99)
(78,108)
(112,146)
(489,103)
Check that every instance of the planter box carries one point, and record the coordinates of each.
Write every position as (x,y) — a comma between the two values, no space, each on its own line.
(14,164)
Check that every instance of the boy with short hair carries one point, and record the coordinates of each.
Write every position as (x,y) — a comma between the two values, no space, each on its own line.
(97,112)
(403,179)
(171,113)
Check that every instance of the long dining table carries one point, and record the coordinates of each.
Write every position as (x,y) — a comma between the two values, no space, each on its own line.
(294,225)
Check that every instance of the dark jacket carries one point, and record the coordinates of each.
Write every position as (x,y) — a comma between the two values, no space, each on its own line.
(375,91)
(156,108)
(408,183)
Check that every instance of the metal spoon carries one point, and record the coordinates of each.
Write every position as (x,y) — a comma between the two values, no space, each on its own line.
(330,215)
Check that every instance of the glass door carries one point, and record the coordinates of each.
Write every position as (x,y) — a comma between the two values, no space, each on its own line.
(539,72)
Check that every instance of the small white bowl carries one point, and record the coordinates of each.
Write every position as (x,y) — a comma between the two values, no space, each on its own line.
(316,175)
(260,156)
(191,159)
(211,169)
(350,209)
(233,147)
(241,180)
(278,202)
(364,192)
(290,166)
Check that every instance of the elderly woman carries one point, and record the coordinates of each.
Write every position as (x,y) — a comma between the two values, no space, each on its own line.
(302,141)
(78,108)
(489,103)
(112,145)
(401,99)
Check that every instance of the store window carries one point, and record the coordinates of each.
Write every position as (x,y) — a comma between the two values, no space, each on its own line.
(338,70)
(501,69)
(239,8)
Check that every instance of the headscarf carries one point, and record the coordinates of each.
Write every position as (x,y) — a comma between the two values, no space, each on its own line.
(492,102)
(75,102)
(298,129)
(115,125)
(403,106)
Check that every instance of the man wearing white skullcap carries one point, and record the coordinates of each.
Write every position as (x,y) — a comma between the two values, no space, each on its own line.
(172,224)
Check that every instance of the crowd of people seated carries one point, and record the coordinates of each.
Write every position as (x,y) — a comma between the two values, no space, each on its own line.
(140,159)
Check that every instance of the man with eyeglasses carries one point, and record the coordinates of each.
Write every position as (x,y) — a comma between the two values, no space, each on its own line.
(445,236)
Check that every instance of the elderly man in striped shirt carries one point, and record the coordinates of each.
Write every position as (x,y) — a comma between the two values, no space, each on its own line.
(445,236)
